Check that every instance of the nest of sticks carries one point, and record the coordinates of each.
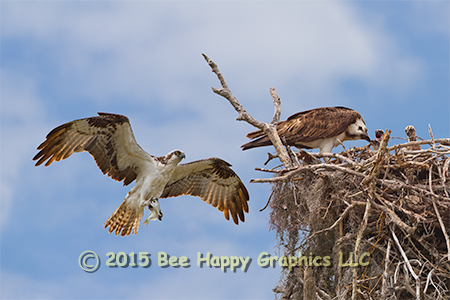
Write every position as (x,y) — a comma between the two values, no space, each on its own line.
(364,223)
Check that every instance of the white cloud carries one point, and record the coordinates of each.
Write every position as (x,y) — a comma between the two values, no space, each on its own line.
(146,49)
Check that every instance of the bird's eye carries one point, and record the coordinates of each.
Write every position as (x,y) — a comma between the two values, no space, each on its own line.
(177,153)
(360,128)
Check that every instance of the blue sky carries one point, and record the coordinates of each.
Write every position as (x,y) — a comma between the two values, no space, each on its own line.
(62,61)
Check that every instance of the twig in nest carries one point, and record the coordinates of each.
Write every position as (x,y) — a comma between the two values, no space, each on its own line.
(393,216)
(438,215)
(343,215)
(446,169)
(408,264)
(410,227)
(267,204)
(403,210)
(290,173)
(335,155)
(358,242)
(432,137)
(441,141)
(270,157)
(385,273)
(292,156)
(376,167)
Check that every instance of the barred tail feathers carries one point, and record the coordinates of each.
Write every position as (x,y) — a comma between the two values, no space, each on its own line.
(125,220)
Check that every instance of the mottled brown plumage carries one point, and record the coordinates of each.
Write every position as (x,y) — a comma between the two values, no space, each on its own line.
(95,135)
(110,140)
(316,128)
(214,182)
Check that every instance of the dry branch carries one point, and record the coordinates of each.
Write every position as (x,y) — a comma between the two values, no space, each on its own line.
(269,128)
(357,245)
(404,145)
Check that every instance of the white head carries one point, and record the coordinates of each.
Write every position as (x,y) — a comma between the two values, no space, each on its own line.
(173,157)
(176,156)
(357,131)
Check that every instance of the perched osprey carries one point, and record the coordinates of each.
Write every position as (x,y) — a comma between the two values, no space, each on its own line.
(110,140)
(411,133)
(316,128)
(376,143)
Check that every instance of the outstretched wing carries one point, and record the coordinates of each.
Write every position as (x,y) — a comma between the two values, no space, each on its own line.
(107,137)
(214,182)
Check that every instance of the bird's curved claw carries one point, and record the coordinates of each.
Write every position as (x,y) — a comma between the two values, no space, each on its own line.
(155,210)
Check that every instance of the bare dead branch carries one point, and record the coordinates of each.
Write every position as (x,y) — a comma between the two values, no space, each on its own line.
(402,252)
(381,152)
(404,145)
(394,218)
(276,105)
(268,128)
(300,169)
(433,143)
(357,244)
(384,283)
(338,221)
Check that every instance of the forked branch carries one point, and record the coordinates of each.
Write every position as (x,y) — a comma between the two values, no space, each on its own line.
(269,128)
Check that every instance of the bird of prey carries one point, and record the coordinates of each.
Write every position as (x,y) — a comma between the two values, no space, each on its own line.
(110,140)
(411,133)
(376,143)
(322,128)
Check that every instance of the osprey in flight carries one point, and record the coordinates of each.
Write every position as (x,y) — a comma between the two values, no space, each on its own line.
(322,128)
(110,140)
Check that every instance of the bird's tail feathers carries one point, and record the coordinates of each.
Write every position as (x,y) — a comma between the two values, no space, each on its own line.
(255,134)
(125,220)
(261,142)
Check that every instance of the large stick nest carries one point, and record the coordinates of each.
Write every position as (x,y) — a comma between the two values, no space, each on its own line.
(392,203)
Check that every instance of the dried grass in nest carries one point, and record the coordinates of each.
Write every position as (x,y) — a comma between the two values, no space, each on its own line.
(392,203)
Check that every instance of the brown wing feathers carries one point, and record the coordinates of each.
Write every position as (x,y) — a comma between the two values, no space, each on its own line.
(307,126)
(215,183)
(109,139)
(324,124)
(95,135)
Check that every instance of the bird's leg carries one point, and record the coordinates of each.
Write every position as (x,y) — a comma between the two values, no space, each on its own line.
(149,202)
(155,211)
